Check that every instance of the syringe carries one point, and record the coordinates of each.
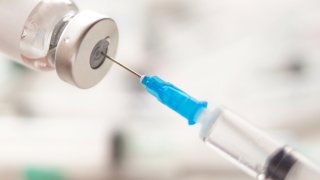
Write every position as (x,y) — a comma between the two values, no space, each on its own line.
(251,149)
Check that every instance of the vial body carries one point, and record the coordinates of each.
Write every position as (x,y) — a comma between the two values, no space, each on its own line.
(54,34)
(42,31)
(27,34)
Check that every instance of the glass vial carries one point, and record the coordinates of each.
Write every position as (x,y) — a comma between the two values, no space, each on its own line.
(35,34)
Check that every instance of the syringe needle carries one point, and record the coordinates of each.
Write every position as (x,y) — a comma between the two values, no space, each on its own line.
(125,67)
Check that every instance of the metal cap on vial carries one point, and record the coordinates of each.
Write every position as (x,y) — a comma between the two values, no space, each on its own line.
(79,55)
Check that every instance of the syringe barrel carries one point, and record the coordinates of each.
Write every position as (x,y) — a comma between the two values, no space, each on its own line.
(251,149)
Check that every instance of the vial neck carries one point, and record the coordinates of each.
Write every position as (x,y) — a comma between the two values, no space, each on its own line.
(56,35)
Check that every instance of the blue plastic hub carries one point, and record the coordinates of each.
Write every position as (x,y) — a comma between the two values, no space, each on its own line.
(174,98)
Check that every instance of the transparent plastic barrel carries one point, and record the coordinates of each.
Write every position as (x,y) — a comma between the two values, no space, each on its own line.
(238,141)
(251,149)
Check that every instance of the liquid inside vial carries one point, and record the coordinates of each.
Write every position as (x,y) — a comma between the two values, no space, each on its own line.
(42,31)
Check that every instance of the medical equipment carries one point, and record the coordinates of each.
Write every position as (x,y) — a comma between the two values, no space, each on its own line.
(54,34)
(256,153)
(48,35)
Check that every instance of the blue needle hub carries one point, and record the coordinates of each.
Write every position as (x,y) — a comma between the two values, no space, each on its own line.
(174,98)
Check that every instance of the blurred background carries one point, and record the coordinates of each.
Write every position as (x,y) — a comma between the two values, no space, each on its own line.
(259,58)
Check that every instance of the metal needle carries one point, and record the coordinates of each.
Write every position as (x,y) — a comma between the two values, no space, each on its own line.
(125,67)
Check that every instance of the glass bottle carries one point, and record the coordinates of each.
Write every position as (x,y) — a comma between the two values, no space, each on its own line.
(55,35)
